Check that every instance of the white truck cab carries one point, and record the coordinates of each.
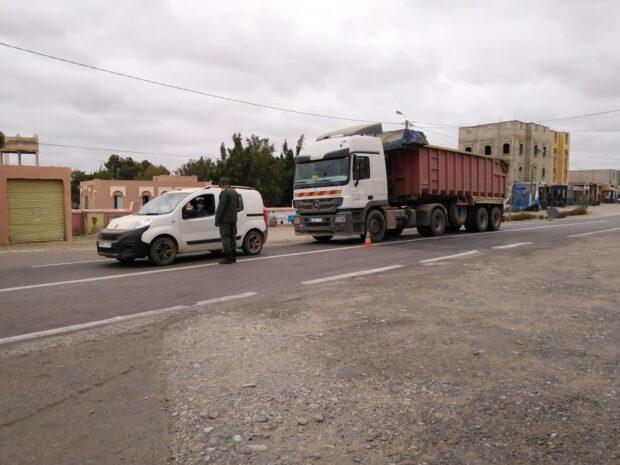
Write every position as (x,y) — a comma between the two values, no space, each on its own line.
(338,178)
(182,221)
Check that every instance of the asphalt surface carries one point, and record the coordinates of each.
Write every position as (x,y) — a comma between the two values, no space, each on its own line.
(51,290)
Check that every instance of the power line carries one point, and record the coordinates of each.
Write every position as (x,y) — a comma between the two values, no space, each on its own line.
(193,91)
(102,149)
(585,115)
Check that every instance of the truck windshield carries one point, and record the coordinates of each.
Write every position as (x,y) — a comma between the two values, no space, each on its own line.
(163,204)
(331,172)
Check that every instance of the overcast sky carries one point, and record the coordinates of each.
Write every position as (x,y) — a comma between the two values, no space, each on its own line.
(459,62)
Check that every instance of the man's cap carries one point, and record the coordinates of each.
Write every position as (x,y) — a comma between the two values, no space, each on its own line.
(224,181)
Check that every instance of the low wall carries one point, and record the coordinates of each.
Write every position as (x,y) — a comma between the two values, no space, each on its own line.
(87,221)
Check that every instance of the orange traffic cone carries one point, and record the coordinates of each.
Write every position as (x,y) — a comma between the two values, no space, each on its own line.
(367,241)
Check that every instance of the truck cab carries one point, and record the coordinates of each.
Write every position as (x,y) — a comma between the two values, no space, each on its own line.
(338,178)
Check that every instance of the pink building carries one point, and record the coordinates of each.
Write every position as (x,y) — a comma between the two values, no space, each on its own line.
(103,194)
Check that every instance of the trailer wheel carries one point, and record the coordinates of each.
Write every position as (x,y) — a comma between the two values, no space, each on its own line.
(457,215)
(495,219)
(375,224)
(322,238)
(477,219)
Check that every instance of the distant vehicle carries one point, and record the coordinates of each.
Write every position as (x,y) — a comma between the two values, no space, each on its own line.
(182,221)
(361,179)
(525,196)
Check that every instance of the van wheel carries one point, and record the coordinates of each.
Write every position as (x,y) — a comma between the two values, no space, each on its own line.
(495,219)
(375,225)
(322,238)
(253,242)
(162,252)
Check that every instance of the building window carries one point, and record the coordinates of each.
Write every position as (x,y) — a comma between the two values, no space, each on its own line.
(468,149)
(535,150)
(468,129)
(118,200)
(544,151)
(146,197)
(520,148)
(489,127)
(543,173)
(506,149)
(488,150)
(534,173)
(520,171)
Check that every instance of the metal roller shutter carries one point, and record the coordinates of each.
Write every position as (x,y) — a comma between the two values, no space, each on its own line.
(36,210)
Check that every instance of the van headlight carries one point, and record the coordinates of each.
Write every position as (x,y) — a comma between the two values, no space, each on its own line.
(141,224)
(340,218)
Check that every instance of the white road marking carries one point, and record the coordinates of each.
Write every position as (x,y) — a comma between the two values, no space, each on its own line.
(102,278)
(594,232)
(511,246)
(117,319)
(227,298)
(352,275)
(293,254)
(71,263)
(446,257)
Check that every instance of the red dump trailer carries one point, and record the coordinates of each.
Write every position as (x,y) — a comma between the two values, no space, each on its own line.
(420,172)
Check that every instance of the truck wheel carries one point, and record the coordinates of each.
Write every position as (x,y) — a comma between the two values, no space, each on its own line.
(253,242)
(438,222)
(375,224)
(477,219)
(495,219)
(162,251)
(424,231)
(457,215)
(322,238)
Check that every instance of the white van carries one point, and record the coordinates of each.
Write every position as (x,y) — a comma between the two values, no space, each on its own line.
(182,221)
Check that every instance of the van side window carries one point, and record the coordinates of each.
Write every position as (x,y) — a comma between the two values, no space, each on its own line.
(362,166)
(199,207)
(239,203)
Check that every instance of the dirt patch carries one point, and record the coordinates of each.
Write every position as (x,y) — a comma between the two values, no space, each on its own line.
(509,358)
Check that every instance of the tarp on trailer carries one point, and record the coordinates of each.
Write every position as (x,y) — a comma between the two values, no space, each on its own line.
(400,138)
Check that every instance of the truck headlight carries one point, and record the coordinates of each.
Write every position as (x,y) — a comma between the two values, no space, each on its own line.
(296,220)
(340,218)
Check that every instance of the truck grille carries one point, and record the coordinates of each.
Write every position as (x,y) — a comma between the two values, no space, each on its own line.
(318,205)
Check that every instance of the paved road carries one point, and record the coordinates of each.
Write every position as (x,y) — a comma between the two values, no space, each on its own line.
(52,290)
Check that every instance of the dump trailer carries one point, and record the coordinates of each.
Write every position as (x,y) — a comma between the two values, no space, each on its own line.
(363,180)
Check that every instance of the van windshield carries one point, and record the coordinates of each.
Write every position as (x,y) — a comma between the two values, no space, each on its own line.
(330,172)
(163,204)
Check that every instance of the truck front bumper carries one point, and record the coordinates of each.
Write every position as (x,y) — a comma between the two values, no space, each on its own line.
(122,244)
(327,224)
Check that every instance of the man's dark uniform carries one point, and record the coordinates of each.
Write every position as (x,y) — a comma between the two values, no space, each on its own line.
(226,219)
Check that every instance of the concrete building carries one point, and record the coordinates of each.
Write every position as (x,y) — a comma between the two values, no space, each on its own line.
(35,201)
(607,181)
(102,194)
(528,147)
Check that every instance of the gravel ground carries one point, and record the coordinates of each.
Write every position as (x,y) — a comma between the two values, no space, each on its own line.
(510,358)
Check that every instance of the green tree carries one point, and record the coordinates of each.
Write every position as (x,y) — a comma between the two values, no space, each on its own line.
(204,168)
(1,139)
(78,176)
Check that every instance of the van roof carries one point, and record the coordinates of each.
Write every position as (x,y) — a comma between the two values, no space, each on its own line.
(190,190)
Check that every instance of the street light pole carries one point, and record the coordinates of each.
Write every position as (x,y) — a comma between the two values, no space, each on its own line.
(407,123)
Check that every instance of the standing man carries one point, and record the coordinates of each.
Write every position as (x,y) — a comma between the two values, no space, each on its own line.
(226,219)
